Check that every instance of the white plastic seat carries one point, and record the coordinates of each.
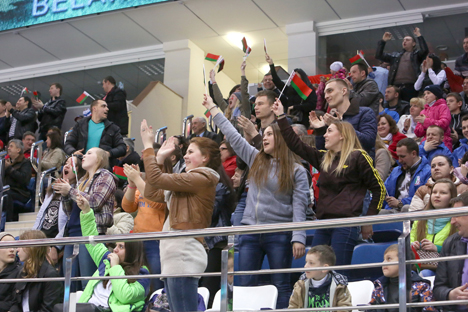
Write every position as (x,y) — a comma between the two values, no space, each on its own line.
(430,279)
(361,292)
(249,298)
(203,291)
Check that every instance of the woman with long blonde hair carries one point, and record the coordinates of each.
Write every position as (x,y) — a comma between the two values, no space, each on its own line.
(98,187)
(278,190)
(346,173)
(36,296)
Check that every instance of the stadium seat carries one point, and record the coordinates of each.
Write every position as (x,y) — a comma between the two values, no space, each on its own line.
(368,253)
(250,298)
(361,292)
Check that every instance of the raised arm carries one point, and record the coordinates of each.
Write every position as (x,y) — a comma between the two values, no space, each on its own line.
(217,95)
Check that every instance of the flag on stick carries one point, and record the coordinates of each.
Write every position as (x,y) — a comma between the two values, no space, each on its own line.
(300,86)
(221,65)
(119,172)
(25,90)
(207,113)
(36,95)
(82,98)
(244,45)
(204,79)
(358,57)
(264,45)
(74,166)
(212,57)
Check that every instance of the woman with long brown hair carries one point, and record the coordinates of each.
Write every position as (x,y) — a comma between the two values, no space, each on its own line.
(429,235)
(190,198)
(36,296)
(278,190)
(98,187)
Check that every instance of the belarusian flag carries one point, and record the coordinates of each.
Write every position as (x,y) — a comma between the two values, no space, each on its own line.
(207,113)
(359,56)
(36,95)
(301,88)
(119,172)
(221,65)
(212,57)
(83,97)
(244,45)
(25,90)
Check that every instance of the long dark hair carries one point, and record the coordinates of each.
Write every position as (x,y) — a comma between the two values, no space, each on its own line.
(436,63)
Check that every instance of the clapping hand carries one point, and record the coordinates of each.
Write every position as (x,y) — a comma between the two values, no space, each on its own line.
(83,204)
(316,122)
(62,187)
(247,126)
(420,119)
(147,134)
(132,172)
(166,150)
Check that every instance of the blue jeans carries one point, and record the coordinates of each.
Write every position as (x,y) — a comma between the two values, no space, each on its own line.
(154,263)
(83,265)
(342,240)
(182,293)
(278,248)
(427,273)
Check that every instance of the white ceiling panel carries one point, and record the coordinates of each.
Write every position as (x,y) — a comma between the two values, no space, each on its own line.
(226,16)
(171,22)
(418,4)
(4,66)
(297,11)
(115,32)
(17,51)
(52,37)
(357,8)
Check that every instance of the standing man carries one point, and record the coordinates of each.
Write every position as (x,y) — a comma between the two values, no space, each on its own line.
(404,65)
(365,91)
(116,100)
(461,64)
(22,118)
(96,131)
(51,113)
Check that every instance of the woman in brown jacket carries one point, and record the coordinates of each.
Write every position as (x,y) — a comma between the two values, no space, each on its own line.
(190,199)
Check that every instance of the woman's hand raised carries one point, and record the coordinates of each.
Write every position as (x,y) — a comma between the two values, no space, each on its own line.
(166,150)
(277,107)
(132,172)
(83,204)
(147,135)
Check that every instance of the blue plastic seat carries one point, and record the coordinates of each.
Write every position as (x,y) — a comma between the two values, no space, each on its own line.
(368,253)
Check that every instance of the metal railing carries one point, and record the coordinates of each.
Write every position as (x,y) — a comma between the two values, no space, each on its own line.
(227,257)
(40,191)
(65,136)
(160,136)
(36,164)
(187,126)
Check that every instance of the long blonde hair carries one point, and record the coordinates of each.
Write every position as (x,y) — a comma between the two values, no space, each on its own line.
(285,159)
(102,162)
(228,112)
(350,144)
(36,255)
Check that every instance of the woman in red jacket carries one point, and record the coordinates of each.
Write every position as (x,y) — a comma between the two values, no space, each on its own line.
(388,131)
(435,112)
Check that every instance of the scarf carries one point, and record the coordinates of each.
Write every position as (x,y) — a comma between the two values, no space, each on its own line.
(435,226)
(387,139)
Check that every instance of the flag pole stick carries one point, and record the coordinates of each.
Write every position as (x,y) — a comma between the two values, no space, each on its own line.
(204,79)
(290,76)
(91,97)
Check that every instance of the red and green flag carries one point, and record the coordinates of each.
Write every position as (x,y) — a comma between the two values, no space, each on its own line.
(355,59)
(300,86)
(83,97)
(207,113)
(212,57)
(36,95)
(220,62)
(25,91)
(245,47)
(119,172)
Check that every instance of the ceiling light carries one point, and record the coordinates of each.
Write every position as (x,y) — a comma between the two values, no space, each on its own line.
(235,39)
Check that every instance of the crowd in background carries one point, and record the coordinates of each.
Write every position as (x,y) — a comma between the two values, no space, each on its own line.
(385,139)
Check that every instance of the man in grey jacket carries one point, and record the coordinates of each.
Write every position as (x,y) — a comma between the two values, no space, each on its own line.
(365,91)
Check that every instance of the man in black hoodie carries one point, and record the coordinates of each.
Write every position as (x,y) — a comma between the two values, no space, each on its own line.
(116,100)
(9,268)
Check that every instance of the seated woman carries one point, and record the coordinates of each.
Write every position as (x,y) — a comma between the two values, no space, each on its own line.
(9,268)
(128,258)
(407,124)
(429,235)
(54,156)
(388,131)
(441,168)
(36,296)
(98,187)
(383,161)
(228,158)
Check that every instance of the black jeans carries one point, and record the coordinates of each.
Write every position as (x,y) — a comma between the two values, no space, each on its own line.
(11,210)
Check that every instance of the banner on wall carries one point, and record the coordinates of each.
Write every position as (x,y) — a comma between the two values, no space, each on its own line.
(23,13)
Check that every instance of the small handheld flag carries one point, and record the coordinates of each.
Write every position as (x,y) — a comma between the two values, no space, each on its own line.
(204,79)
(246,48)
(358,57)
(207,113)
(82,98)
(74,166)
(220,62)
(300,86)
(24,91)
(264,46)
(212,57)
(119,172)
(36,95)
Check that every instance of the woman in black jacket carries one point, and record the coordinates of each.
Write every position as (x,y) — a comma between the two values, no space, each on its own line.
(9,268)
(41,296)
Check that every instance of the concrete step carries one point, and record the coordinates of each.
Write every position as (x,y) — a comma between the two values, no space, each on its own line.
(28,216)
(19,225)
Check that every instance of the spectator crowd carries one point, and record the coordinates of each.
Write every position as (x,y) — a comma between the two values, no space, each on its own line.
(369,140)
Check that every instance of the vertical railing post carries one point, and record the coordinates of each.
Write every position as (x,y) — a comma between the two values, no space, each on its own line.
(36,164)
(187,120)
(2,168)
(227,281)
(404,270)
(65,136)
(4,189)
(41,182)
(68,273)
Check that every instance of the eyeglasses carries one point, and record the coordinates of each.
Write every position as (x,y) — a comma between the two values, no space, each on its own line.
(223,148)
